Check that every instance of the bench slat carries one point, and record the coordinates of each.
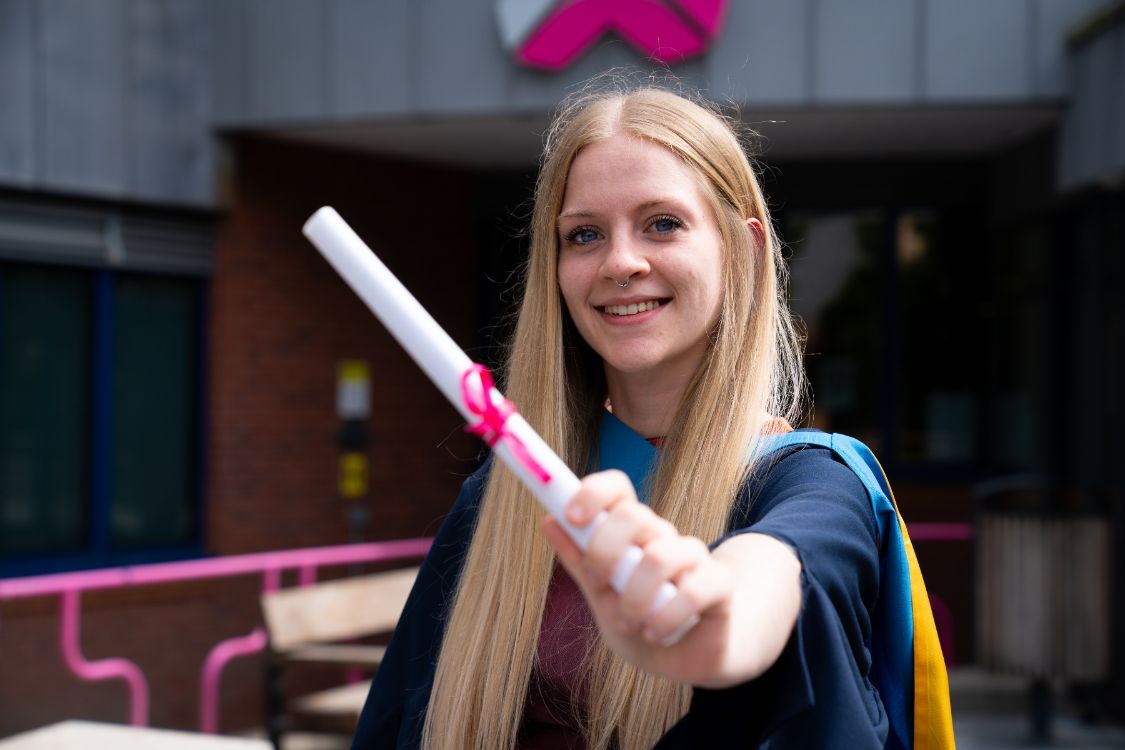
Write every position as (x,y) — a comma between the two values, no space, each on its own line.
(341,653)
(346,700)
(336,610)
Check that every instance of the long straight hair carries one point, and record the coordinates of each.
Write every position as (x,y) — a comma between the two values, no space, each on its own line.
(751,372)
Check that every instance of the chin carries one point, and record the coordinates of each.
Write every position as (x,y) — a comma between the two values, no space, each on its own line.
(632,365)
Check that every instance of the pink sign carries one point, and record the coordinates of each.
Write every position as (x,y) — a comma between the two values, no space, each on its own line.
(551,34)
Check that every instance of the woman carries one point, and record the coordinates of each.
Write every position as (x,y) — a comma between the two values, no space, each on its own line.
(654,287)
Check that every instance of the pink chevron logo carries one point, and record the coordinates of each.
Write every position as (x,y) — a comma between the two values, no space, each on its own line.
(551,34)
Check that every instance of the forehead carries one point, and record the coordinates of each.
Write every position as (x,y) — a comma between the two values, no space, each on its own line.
(627,168)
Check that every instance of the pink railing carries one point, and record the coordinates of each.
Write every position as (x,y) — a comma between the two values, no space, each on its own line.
(270,565)
(957,531)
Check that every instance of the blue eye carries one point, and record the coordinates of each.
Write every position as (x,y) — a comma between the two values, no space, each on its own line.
(582,235)
(666,224)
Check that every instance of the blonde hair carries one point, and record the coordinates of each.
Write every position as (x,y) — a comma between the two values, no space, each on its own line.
(752,371)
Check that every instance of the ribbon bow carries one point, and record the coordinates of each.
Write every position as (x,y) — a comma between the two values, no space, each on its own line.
(494,413)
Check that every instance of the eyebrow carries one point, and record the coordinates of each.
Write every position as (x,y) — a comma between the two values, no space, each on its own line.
(586,213)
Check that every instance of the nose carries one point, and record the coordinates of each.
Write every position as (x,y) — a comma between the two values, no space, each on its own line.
(624,258)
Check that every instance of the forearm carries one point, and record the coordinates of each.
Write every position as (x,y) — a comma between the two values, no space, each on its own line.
(764,605)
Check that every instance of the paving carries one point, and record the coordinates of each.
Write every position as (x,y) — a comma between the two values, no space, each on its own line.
(991,712)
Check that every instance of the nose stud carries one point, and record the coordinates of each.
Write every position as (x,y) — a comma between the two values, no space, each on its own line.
(624,283)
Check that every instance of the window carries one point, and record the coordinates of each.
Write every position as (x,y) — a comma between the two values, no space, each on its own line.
(45,345)
(940,263)
(154,409)
(892,302)
(836,290)
(99,403)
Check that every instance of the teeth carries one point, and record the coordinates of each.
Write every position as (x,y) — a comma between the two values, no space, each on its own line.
(632,309)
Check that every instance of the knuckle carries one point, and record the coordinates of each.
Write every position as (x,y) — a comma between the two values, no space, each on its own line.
(660,555)
(617,476)
(696,546)
(691,593)
(692,600)
(624,513)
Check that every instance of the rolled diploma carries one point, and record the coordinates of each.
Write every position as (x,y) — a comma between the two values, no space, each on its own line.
(445,364)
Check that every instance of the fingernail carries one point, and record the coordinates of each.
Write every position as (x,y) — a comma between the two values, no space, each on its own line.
(575,513)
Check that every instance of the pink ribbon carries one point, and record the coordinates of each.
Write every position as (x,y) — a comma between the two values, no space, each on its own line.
(492,427)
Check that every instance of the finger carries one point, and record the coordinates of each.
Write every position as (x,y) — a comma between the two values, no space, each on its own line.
(665,559)
(599,491)
(698,590)
(602,600)
(626,524)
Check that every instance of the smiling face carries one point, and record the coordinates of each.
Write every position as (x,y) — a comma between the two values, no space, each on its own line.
(633,211)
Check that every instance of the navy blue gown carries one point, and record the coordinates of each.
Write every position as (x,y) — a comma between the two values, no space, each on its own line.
(817,695)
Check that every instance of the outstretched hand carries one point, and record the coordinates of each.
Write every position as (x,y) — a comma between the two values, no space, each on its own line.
(746,594)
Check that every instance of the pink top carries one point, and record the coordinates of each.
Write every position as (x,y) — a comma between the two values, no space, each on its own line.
(557,694)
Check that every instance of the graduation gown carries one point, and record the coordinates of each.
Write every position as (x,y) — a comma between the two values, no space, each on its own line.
(817,695)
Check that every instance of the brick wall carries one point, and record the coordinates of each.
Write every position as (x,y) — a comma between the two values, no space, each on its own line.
(279,320)
(282,319)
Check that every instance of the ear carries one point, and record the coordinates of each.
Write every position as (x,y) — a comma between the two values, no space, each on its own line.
(758,231)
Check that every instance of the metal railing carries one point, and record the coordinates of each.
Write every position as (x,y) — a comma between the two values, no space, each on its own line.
(270,565)
(954,531)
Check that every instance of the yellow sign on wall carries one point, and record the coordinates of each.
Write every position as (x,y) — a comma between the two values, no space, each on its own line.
(352,478)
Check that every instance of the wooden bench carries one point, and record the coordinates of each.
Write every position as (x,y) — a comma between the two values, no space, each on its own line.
(312,625)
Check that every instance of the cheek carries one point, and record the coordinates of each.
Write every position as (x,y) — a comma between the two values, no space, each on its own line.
(571,283)
(713,284)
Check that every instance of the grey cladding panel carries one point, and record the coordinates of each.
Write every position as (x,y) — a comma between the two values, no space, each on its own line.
(977,50)
(17,61)
(337,60)
(170,153)
(371,56)
(83,95)
(536,90)
(865,50)
(288,58)
(1053,21)
(461,66)
(693,74)
(228,59)
(762,53)
(1092,146)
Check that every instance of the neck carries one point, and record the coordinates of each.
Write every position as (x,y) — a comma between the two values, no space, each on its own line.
(646,402)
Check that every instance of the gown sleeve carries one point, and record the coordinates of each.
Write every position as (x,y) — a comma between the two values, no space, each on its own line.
(817,694)
(395,710)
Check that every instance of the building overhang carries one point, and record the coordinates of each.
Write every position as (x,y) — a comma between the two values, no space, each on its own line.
(861,132)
